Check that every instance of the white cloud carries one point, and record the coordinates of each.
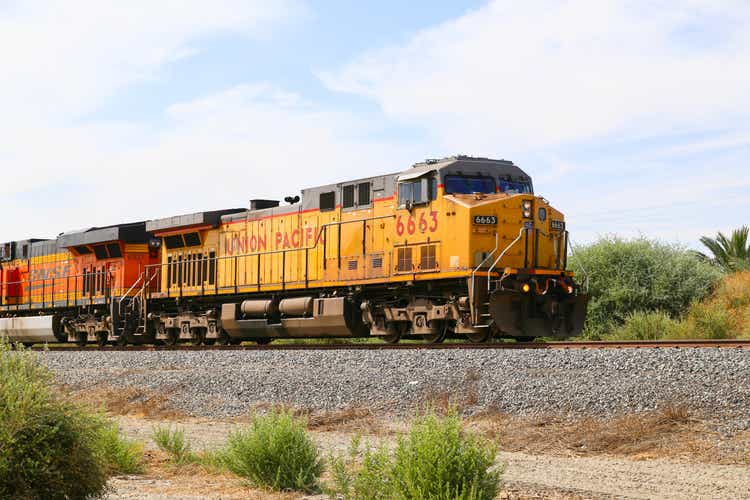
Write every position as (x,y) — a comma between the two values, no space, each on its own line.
(540,73)
(601,101)
(60,59)
(217,151)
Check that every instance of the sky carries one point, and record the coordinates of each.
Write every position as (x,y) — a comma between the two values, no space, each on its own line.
(632,117)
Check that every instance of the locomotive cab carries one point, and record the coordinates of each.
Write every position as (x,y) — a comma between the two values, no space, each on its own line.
(514,245)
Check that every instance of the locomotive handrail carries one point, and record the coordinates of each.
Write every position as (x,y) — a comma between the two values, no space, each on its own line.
(585,274)
(323,228)
(140,277)
(82,296)
(502,254)
(487,257)
(474,272)
(300,249)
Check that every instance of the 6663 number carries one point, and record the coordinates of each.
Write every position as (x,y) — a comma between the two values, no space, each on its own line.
(423,223)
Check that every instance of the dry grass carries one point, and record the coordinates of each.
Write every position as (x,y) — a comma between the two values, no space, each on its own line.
(131,401)
(346,420)
(670,432)
(184,481)
(459,398)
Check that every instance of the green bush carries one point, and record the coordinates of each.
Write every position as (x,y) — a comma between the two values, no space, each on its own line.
(626,276)
(275,451)
(652,325)
(437,460)
(710,321)
(745,332)
(51,448)
(173,442)
(121,455)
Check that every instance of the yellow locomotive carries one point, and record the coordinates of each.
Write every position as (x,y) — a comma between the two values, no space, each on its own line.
(453,247)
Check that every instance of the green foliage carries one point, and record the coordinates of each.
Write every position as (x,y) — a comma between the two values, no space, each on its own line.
(50,448)
(732,253)
(745,332)
(174,443)
(649,325)
(122,455)
(626,276)
(437,460)
(275,451)
(709,321)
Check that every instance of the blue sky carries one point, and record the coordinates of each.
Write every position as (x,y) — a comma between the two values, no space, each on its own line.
(632,117)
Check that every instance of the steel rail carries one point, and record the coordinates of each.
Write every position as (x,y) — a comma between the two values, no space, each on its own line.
(649,344)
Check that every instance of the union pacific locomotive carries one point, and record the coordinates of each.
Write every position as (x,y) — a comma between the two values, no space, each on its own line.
(455,247)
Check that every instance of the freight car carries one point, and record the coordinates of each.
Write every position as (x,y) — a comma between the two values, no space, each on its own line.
(453,247)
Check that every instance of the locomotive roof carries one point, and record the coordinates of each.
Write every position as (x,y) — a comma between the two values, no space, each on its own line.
(211,218)
(134,232)
(14,249)
(385,185)
(466,165)
(44,247)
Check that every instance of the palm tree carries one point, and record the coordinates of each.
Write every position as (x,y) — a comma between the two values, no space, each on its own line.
(731,254)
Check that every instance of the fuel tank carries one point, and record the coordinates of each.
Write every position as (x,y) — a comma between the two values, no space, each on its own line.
(31,329)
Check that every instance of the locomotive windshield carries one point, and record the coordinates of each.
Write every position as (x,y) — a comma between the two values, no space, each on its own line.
(461,184)
(511,187)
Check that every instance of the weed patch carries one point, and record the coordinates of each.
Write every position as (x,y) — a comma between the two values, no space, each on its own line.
(173,442)
(438,459)
(275,451)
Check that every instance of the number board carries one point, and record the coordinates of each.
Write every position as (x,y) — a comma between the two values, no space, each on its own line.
(557,225)
(485,220)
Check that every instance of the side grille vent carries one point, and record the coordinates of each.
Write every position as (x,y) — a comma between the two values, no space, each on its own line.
(428,258)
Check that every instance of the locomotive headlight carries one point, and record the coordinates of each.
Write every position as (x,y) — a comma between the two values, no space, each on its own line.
(525,288)
(527,209)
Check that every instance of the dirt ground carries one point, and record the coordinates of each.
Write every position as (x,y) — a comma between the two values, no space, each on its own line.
(667,454)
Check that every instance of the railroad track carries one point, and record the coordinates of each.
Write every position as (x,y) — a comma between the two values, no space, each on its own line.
(640,344)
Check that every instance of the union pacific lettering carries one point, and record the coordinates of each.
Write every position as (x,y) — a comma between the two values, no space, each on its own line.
(239,244)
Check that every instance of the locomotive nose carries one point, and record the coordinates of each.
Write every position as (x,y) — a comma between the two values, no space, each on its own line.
(536,315)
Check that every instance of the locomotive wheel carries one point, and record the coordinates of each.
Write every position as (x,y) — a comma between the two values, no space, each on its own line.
(101,338)
(122,339)
(479,337)
(209,341)
(224,338)
(263,340)
(197,337)
(435,338)
(173,335)
(525,339)
(394,334)
(439,337)
(81,339)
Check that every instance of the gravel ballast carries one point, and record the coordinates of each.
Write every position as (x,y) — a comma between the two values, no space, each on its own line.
(574,382)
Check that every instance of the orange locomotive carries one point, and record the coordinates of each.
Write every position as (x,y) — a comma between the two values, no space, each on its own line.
(63,290)
(453,247)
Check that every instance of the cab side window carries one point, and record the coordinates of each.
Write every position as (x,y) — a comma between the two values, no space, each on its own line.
(356,195)
(327,201)
(417,191)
